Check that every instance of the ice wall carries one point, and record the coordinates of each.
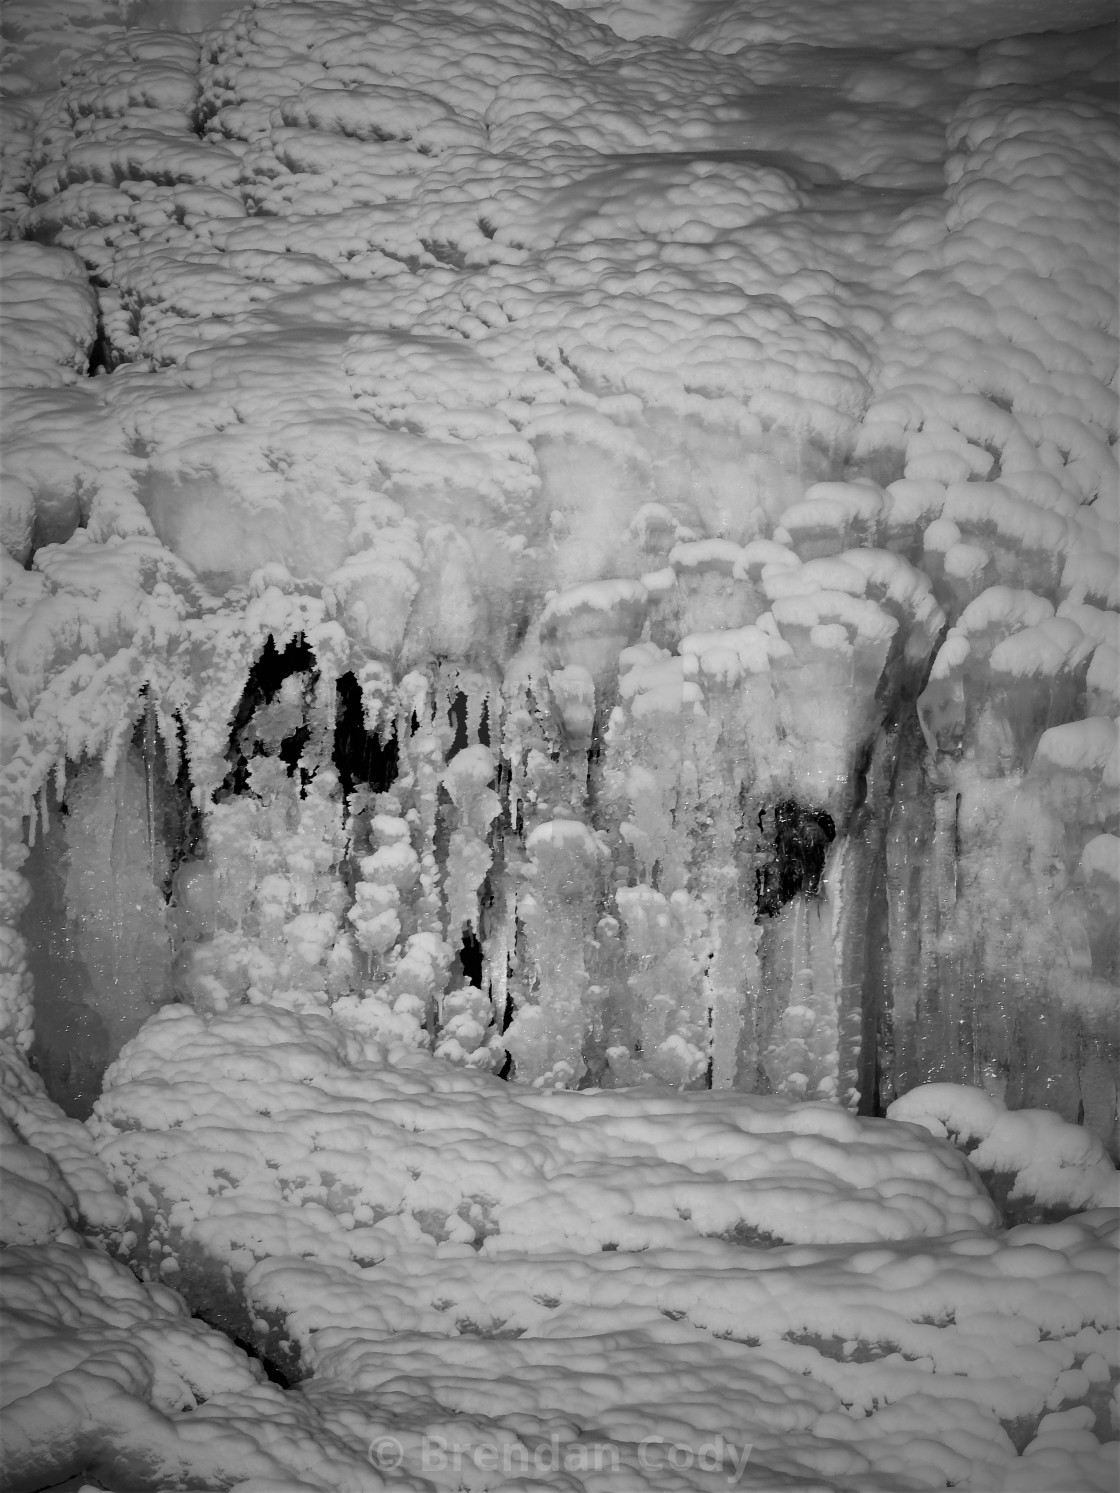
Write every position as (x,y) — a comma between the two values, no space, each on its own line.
(98,925)
(628,572)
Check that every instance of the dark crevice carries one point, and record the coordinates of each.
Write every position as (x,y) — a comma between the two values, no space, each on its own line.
(176,823)
(877,999)
(800,840)
(470,958)
(361,759)
(506,1070)
(860,770)
(272,1371)
(448,254)
(100,354)
(265,680)
(457,719)
(103,357)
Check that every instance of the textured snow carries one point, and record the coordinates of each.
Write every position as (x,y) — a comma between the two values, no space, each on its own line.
(724,26)
(720,401)
(1052,1161)
(553,1260)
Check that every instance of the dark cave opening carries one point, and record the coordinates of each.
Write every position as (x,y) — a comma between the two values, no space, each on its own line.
(470,958)
(100,353)
(361,759)
(266,679)
(800,839)
(272,1371)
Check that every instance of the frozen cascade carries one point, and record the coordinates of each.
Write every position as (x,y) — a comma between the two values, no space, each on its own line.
(559,768)
(600,670)
(660,888)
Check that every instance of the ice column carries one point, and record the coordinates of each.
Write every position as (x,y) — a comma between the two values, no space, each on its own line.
(558,913)
(97,925)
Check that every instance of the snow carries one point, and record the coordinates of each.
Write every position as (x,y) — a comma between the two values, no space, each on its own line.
(684,436)
(722,26)
(1052,1161)
(495,1240)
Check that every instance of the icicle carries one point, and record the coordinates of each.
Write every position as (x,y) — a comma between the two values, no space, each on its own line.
(850,881)
(150,766)
(118,843)
(825,1041)
(733,982)
(558,915)
(669,997)
(476,806)
(945,1041)
(788,1059)
(30,813)
(378,698)
(912,929)
(322,715)
(500,940)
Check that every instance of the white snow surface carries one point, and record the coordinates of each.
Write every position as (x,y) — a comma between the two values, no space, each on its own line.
(831,1290)
(1050,1160)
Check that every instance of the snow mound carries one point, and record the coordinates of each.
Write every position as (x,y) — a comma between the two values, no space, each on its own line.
(378,1220)
(1043,1161)
(728,26)
(80,1178)
(111,1379)
(490,1164)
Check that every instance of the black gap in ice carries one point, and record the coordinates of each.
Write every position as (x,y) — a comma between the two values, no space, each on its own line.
(506,1070)
(100,354)
(458,716)
(875,1015)
(470,958)
(272,1371)
(800,838)
(361,759)
(262,686)
(176,823)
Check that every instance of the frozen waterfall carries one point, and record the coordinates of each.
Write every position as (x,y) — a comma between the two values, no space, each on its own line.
(559,767)
(605,609)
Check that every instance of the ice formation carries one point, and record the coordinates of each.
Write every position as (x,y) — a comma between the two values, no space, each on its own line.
(560,549)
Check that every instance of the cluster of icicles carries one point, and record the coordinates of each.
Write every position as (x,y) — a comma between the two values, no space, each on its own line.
(696,836)
(611,870)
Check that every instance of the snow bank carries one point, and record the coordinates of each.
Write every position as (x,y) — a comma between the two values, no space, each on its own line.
(1049,1162)
(723,27)
(497,1233)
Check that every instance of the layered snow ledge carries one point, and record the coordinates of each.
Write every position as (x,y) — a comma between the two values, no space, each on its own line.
(437,1255)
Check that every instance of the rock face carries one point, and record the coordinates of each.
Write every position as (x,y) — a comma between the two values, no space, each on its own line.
(626,579)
